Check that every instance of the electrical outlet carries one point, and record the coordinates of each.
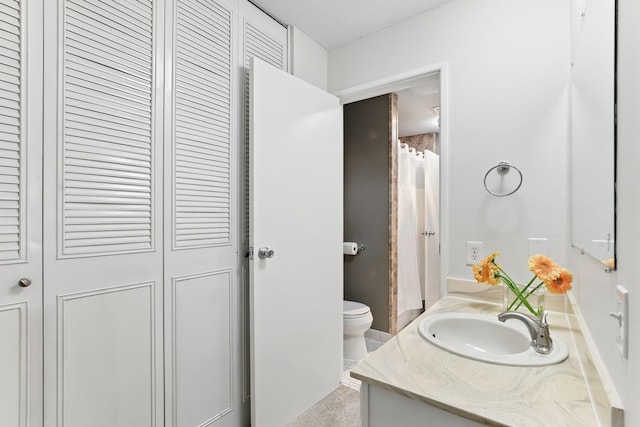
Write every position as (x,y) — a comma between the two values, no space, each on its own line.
(538,245)
(475,252)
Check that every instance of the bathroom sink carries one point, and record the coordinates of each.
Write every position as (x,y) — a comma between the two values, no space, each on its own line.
(483,337)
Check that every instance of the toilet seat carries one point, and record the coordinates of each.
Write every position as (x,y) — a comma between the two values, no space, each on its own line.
(354,309)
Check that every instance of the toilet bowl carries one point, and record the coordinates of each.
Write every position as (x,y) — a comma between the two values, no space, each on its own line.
(357,319)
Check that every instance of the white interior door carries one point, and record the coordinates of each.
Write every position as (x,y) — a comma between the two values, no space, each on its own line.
(432,227)
(20,213)
(295,211)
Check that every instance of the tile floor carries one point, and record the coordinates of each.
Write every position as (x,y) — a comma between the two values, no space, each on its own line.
(342,407)
(348,365)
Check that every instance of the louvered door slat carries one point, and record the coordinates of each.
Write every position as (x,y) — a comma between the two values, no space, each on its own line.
(98,129)
(125,83)
(115,35)
(202,124)
(10,36)
(197,149)
(138,10)
(104,14)
(9,46)
(210,109)
(131,156)
(271,52)
(107,147)
(106,37)
(197,100)
(12,203)
(9,121)
(212,66)
(129,102)
(80,131)
(217,71)
(9,9)
(193,140)
(10,23)
(12,105)
(205,157)
(80,172)
(209,21)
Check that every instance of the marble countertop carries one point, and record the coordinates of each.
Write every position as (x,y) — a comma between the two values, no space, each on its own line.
(567,394)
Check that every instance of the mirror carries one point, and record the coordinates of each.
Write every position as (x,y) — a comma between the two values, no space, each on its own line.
(593,129)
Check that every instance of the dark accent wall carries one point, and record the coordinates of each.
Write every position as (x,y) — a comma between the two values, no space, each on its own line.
(369,171)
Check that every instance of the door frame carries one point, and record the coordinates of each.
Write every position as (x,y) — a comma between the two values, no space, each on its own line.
(407,80)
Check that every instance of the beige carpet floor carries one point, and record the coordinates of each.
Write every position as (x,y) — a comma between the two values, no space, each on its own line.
(341,408)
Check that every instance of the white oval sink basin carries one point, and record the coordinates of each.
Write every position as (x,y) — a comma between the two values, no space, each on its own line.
(483,337)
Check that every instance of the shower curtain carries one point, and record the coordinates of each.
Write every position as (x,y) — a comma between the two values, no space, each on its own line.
(409,243)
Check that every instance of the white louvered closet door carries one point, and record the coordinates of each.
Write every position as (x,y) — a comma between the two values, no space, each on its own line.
(266,39)
(103,204)
(20,213)
(201,161)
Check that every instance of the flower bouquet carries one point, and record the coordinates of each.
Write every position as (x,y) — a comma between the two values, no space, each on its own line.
(545,272)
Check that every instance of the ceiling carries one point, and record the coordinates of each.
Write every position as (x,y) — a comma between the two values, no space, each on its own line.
(332,23)
(418,107)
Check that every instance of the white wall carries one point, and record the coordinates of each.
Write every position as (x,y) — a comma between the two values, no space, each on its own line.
(309,59)
(508,64)
(595,290)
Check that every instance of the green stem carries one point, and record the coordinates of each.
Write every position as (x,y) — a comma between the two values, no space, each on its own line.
(521,292)
(524,290)
(514,288)
(530,292)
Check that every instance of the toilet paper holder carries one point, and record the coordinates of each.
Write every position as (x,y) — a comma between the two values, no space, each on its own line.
(353,248)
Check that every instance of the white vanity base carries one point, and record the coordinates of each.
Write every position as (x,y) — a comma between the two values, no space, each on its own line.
(383,408)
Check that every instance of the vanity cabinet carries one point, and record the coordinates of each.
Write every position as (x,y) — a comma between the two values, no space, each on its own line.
(383,408)
(122,140)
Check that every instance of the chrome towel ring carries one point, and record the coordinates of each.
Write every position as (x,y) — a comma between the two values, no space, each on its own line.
(502,168)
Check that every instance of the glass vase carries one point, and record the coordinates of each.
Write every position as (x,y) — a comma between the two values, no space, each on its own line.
(535,299)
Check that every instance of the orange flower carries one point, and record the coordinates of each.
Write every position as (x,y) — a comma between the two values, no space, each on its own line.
(544,268)
(487,270)
(561,284)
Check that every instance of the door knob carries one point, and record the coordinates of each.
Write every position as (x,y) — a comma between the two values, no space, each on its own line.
(264,252)
(24,282)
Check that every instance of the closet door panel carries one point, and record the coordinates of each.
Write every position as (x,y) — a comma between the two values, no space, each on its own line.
(106,356)
(20,213)
(102,195)
(201,337)
(13,364)
(202,334)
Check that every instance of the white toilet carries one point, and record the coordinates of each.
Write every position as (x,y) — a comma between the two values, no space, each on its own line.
(357,319)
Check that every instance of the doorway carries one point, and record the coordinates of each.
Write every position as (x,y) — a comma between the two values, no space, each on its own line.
(419,99)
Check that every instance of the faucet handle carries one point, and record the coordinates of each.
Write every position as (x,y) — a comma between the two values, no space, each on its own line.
(542,320)
(543,343)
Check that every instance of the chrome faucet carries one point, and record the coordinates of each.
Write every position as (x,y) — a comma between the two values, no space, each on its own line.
(538,329)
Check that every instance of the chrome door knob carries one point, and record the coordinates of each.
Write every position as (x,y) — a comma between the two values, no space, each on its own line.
(264,252)
(24,282)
